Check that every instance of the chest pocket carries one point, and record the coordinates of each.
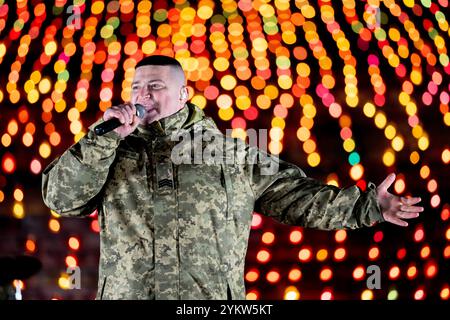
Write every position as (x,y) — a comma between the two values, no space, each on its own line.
(202,188)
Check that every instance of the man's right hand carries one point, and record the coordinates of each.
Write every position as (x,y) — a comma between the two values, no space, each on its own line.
(126,113)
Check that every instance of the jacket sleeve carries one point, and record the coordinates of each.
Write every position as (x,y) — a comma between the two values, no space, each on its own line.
(71,183)
(285,193)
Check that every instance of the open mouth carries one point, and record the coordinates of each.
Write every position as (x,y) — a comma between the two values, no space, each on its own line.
(148,105)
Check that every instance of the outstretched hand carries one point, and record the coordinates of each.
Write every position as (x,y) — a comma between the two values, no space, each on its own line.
(395,208)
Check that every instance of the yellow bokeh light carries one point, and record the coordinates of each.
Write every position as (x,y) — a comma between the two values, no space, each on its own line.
(356,172)
(228,82)
(309,146)
(291,293)
(44,150)
(367,295)
(54,225)
(45,85)
(251,296)
(33,96)
(148,47)
(416,77)
(380,120)
(28,86)
(260,44)
(352,101)
(59,66)
(417,131)
(390,132)
(349,145)
(275,147)
(424,172)
(446,156)
(221,64)
(369,109)
(50,48)
(226,114)
(271,91)
(78,136)
(447,119)
(13,127)
(313,159)
(404,98)
(243,102)
(18,211)
(285,82)
(14,96)
(389,158)
(414,157)
(308,11)
(60,105)
(27,139)
(55,214)
(63,283)
(411,108)
(6,140)
(423,143)
(328,81)
(97,7)
(205,12)
(322,255)
(303,69)
(200,101)
(303,134)
(35,76)
(397,143)
(263,101)
(2,50)
(309,111)
(75,127)
(188,13)
(276,133)
(278,122)
(224,101)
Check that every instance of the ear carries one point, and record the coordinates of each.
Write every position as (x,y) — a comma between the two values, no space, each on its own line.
(184,95)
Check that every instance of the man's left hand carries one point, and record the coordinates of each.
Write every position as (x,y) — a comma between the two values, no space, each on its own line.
(395,208)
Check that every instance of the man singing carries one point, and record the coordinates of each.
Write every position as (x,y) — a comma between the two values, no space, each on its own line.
(174,229)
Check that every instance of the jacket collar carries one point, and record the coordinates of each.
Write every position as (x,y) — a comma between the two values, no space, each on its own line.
(181,119)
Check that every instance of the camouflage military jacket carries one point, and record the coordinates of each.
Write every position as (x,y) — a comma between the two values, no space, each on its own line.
(173,228)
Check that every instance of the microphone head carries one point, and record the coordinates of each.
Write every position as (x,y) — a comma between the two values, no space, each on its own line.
(140,110)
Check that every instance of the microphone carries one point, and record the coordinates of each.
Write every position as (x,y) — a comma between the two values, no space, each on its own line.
(111,124)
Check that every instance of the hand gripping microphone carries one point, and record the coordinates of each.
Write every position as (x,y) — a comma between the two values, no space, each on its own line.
(111,124)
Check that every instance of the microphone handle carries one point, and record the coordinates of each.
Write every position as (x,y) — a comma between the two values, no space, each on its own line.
(113,123)
(107,126)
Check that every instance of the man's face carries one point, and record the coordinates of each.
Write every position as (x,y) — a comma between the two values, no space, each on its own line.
(160,89)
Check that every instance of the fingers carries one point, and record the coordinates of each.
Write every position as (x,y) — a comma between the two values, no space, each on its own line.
(131,112)
(387,182)
(407,215)
(125,113)
(410,201)
(411,208)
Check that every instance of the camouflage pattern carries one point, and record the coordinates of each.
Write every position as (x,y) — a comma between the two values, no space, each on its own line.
(179,230)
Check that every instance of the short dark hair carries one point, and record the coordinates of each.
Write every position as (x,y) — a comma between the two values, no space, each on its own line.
(158,60)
